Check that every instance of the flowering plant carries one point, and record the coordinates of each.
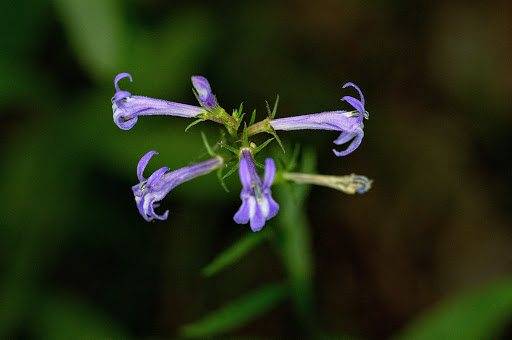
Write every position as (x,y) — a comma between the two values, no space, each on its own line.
(258,206)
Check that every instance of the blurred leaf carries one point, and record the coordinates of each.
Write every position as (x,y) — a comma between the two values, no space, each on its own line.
(23,24)
(294,243)
(236,313)
(64,317)
(96,31)
(165,59)
(478,314)
(233,253)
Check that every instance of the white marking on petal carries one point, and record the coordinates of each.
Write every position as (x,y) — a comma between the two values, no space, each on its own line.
(147,202)
(264,206)
(252,206)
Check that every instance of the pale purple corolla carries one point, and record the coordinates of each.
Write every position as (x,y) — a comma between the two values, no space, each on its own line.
(204,91)
(157,186)
(127,108)
(258,206)
(350,123)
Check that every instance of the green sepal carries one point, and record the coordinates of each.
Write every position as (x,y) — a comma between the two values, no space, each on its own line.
(253,117)
(229,148)
(245,139)
(221,180)
(274,111)
(197,96)
(240,121)
(212,111)
(259,148)
(258,164)
(230,172)
(207,145)
(237,113)
(273,133)
(194,123)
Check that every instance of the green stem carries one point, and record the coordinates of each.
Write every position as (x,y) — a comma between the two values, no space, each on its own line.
(263,126)
(294,245)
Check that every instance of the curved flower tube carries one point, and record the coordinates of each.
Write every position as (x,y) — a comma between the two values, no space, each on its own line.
(258,206)
(350,123)
(127,108)
(159,184)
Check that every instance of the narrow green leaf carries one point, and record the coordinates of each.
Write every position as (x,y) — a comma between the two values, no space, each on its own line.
(268,109)
(236,313)
(478,314)
(233,253)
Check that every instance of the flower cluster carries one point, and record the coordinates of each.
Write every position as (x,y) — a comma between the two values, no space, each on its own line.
(258,206)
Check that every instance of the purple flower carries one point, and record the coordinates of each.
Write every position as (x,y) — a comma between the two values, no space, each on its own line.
(127,108)
(350,123)
(204,91)
(258,205)
(157,186)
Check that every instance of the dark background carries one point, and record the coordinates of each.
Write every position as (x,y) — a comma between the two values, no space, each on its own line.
(437,78)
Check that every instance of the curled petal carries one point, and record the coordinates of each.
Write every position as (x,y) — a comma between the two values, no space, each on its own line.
(156,176)
(358,90)
(357,104)
(160,183)
(125,123)
(119,77)
(140,206)
(345,137)
(121,94)
(143,163)
(152,214)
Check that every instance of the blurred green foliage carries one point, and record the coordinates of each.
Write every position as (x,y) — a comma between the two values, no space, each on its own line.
(77,259)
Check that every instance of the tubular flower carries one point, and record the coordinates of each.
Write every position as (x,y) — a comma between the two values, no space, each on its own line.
(127,108)
(349,184)
(258,206)
(157,186)
(350,123)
